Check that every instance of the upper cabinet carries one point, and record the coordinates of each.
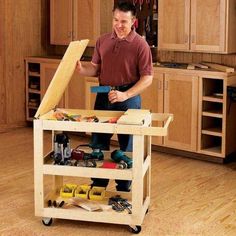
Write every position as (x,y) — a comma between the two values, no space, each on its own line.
(197,25)
(79,19)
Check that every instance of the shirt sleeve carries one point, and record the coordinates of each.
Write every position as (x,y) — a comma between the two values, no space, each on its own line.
(145,60)
(96,59)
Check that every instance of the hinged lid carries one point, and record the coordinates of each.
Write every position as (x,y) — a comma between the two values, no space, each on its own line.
(62,76)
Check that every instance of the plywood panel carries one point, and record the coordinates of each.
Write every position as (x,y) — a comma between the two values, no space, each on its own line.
(62,76)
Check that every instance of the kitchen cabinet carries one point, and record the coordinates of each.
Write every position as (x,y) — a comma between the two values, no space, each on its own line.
(204,117)
(216,116)
(197,25)
(181,98)
(74,94)
(79,19)
(90,97)
(39,72)
(152,99)
(161,97)
(176,93)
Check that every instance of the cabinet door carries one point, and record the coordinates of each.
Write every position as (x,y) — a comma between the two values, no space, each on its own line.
(75,94)
(90,97)
(86,20)
(208,25)
(181,99)
(47,72)
(173,24)
(152,99)
(60,22)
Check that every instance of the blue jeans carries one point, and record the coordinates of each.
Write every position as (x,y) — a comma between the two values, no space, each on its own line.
(103,140)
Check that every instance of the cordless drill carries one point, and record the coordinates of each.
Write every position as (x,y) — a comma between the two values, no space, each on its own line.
(118,156)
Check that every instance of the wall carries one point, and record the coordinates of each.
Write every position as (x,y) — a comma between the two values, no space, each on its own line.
(21,34)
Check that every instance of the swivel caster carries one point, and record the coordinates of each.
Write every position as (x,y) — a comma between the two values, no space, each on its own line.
(47,221)
(135,229)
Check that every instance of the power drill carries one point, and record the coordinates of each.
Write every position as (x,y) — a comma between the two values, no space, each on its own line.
(118,156)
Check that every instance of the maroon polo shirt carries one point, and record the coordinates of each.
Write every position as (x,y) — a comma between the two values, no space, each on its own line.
(123,61)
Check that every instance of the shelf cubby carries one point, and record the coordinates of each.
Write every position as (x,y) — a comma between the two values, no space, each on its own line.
(211,144)
(213,87)
(212,126)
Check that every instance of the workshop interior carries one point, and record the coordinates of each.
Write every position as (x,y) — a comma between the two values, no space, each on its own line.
(58,178)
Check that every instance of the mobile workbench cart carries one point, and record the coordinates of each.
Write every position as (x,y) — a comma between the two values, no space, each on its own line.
(134,122)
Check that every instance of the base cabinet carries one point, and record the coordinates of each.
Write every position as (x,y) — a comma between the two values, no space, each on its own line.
(39,72)
(216,117)
(181,99)
(203,114)
(152,99)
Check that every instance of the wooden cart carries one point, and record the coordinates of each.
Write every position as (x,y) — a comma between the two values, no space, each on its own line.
(139,174)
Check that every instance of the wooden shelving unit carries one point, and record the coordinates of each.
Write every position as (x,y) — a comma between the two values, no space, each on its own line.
(33,88)
(213,116)
(39,72)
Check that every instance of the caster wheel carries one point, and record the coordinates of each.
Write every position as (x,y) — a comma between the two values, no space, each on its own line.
(136,229)
(47,221)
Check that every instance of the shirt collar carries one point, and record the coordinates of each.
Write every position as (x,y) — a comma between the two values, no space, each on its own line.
(129,38)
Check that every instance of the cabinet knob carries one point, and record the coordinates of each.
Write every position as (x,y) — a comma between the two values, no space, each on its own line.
(69,34)
(166,85)
(160,85)
(186,38)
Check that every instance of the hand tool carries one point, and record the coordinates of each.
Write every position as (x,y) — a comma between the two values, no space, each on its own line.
(100,89)
(118,156)
(120,204)
(62,151)
(111,120)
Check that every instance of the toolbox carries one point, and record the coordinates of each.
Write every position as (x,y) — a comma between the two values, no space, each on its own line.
(133,122)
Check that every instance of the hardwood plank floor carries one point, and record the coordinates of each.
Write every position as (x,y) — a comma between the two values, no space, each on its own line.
(189,197)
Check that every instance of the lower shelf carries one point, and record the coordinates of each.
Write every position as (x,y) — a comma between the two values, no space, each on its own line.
(211,145)
(108,215)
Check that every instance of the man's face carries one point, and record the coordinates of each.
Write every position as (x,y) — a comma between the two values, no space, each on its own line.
(122,23)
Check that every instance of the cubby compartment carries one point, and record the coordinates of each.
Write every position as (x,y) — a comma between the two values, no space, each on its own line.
(212,107)
(213,87)
(33,100)
(212,125)
(34,83)
(211,144)
(34,68)
(31,113)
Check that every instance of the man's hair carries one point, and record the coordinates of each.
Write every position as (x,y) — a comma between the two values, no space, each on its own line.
(125,6)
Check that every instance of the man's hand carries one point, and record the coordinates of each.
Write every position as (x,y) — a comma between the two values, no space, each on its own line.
(78,66)
(117,96)
(87,69)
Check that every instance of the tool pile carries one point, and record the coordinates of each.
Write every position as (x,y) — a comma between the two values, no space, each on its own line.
(64,155)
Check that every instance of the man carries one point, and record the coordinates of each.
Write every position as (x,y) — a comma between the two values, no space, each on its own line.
(121,59)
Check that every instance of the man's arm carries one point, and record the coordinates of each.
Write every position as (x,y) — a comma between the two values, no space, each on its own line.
(87,69)
(117,96)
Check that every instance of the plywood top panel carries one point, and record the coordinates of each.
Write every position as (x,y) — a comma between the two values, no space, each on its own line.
(62,76)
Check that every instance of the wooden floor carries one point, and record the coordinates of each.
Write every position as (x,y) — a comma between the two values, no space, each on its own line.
(189,197)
